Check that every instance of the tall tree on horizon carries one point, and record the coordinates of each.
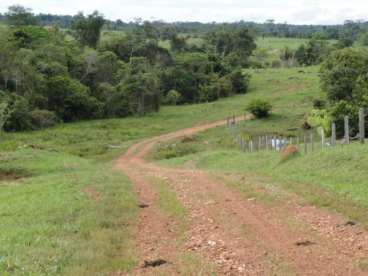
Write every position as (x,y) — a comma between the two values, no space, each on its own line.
(18,16)
(88,29)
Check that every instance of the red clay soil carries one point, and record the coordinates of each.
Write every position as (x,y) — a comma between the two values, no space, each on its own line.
(237,236)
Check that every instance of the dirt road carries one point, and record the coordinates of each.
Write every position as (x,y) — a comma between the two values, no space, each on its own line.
(231,234)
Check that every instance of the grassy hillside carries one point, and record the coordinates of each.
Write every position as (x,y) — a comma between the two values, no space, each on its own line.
(333,177)
(63,207)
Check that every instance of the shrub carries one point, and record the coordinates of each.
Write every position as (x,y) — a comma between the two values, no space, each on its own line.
(320,118)
(259,108)
(18,117)
(43,118)
(276,63)
(239,81)
(172,98)
(174,150)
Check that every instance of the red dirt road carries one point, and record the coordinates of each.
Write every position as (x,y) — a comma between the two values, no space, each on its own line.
(233,234)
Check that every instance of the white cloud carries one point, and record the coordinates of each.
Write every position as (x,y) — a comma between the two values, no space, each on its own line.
(292,11)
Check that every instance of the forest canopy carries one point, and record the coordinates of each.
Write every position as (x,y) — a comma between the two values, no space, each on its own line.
(50,75)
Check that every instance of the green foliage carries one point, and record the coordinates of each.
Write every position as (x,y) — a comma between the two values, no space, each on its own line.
(173,150)
(314,52)
(42,119)
(141,87)
(71,100)
(4,114)
(363,38)
(259,108)
(18,113)
(122,74)
(320,118)
(319,104)
(177,43)
(31,36)
(343,72)
(239,81)
(344,79)
(20,16)
(88,29)
(172,97)
(236,45)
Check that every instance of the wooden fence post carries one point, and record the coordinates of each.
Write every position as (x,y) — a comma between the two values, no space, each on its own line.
(298,141)
(312,141)
(267,143)
(259,143)
(323,138)
(333,134)
(251,144)
(346,130)
(305,144)
(362,125)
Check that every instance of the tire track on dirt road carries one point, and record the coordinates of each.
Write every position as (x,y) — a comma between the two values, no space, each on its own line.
(238,236)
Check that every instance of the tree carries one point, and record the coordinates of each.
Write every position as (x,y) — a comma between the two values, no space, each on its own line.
(239,81)
(344,80)
(236,44)
(17,117)
(88,29)
(71,100)
(363,38)
(177,43)
(20,16)
(314,52)
(4,114)
(340,72)
(141,87)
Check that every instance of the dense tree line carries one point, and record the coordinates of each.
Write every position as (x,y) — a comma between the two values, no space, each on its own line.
(49,75)
(349,30)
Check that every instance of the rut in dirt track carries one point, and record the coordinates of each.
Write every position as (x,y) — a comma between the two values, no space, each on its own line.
(235,235)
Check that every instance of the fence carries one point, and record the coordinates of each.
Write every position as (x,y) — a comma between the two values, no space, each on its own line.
(306,142)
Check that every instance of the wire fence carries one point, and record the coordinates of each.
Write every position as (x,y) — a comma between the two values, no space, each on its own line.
(306,140)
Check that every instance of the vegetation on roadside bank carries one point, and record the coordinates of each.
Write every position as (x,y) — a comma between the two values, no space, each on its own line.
(62,214)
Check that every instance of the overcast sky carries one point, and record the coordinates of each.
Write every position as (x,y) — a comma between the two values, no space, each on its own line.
(291,11)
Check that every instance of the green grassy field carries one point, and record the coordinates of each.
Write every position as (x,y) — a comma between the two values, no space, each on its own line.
(64,210)
(278,43)
(333,177)
(62,214)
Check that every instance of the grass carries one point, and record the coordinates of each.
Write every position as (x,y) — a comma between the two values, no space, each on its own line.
(170,205)
(291,92)
(279,43)
(68,216)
